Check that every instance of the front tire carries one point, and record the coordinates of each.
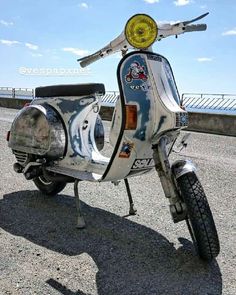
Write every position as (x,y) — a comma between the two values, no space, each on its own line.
(48,187)
(199,217)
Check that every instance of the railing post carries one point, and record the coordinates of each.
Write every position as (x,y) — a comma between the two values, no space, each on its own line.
(13,93)
(182,100)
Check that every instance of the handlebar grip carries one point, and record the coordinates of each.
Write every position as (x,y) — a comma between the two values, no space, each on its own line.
(194,28)
(90,59)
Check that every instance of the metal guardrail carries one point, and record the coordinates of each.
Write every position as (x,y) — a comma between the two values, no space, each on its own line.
(110,98)
(9,92)
(209,102)
(192,101)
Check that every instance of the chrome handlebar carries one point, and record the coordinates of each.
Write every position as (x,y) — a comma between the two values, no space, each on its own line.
(164,30)
(194,28)
(87,60)
(119,43)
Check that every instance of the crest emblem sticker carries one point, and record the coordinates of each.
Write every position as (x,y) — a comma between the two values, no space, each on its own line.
(126,149)
(136,72)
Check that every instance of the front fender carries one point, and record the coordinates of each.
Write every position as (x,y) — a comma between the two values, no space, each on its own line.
(181,167)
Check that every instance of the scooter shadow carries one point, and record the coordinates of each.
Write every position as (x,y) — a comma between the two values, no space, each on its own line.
(131,258)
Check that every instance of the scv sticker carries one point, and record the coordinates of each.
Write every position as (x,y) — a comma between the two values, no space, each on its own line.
(143,163)
(136,72)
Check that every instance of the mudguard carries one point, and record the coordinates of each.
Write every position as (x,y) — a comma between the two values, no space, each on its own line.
(181,167)
(37,129)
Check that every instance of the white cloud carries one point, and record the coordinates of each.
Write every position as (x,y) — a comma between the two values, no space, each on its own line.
(84,5)
(182,2)
(31,46)
(151,1)
(204,59)
(76,51)
(9,42)
(230,32)
(5,23)
(203,6)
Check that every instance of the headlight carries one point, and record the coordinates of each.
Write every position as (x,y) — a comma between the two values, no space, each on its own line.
(141,31)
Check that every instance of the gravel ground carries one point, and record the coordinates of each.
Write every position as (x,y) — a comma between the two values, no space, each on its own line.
(41,251)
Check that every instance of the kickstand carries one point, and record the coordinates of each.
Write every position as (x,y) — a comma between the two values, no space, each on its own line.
(80,218)
(132,210)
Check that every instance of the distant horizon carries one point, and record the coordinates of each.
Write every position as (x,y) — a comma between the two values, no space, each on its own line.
(107,90)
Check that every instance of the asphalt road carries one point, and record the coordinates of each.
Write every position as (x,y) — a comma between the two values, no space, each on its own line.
(41,251)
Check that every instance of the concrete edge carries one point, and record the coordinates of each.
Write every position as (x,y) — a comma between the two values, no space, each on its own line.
(222,124)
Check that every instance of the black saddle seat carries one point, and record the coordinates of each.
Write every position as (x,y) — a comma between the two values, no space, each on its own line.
(69,90)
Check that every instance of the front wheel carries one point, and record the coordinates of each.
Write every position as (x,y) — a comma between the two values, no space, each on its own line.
(199,217)
(49,187)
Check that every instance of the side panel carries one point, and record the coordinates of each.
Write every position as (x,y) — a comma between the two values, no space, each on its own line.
(37,129)
(79,115)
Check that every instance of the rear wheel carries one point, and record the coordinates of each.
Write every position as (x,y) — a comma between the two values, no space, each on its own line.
(48,187)
(199,217)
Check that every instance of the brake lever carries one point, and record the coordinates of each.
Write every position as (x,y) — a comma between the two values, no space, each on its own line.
(192,20)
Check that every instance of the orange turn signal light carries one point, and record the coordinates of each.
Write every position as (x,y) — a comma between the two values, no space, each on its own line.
(131,117)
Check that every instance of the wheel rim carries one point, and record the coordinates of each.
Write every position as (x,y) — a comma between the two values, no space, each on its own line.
(44,180)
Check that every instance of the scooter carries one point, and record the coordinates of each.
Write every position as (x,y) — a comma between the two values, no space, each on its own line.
(59,137)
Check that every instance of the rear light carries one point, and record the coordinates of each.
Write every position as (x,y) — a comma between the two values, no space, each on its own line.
(8,135)
(131,117)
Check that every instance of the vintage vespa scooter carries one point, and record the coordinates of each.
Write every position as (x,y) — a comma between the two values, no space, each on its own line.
(55,141)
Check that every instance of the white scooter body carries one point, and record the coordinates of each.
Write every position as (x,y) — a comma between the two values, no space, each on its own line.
(56,132)
(152,90)
(55,138)
(147,85)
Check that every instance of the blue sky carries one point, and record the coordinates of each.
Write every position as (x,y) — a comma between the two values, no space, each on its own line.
(41,36)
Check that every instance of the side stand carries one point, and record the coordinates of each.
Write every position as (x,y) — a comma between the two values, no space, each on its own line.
(132,210)
(80,218)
